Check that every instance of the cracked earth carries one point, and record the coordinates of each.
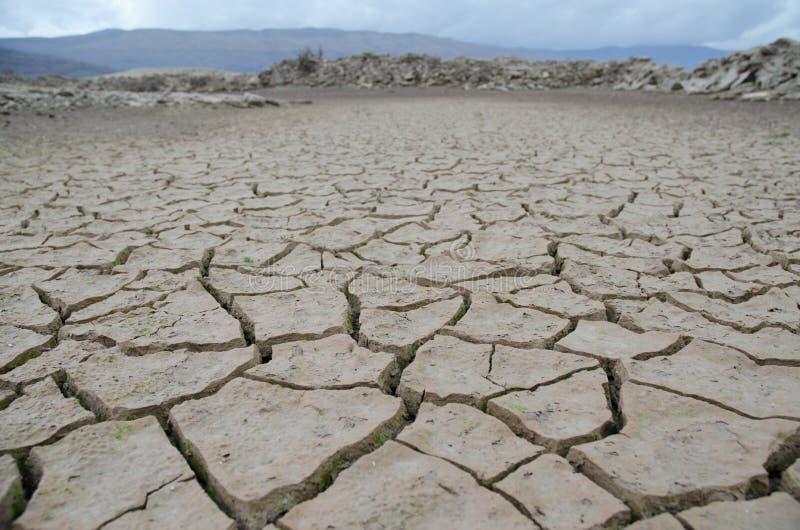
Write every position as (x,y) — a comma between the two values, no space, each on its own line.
(552,310)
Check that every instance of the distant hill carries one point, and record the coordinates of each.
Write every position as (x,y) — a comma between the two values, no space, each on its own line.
(254,50)
(36,64)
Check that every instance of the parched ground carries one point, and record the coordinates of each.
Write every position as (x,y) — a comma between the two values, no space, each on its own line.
(413,310)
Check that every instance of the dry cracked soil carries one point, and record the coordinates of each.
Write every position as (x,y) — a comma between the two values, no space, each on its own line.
(402,310)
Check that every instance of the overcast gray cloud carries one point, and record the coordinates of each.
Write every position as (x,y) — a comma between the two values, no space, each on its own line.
(529,23)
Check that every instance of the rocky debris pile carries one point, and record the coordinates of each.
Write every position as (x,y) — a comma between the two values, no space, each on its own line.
(764,72)
(19,96)
(505,73)
(757,73)
(173,80)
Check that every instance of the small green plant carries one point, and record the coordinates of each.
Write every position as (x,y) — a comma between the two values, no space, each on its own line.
(121,430)
(247,259)
(378,438)
(778,135)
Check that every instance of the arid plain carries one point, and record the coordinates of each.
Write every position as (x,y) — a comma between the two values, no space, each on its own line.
(411,309)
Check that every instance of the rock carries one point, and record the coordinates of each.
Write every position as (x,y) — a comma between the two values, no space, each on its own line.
(468,438)
(724,377)
(12,496)
(488,321)
(559,415)
(335,362)
(189,319)
(778,510)
(558,498)
(118,386)
(39,416)
(294,315)
(608,341)
(558,299)
(17,345)
(101,472)
(400,332)
(397,487)
(674,452)
(177,505)
(285,456)
(51,362)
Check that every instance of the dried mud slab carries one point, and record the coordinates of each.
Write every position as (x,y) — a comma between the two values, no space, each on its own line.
(608,341)
(662,521)
(400,332)
(559,415)
(99,473)
(17,345)
(265,447)
(488,321)
(392,292)
(767,345)
(295,315)
(121,301)
(12,496)
(189,319)
(775,308)
(225,284)
(77,288)
(41,414)
(522,369)
(724,377)
(778,510)
(558,498)
(448,370)
(51,362)
(734,259)
(599,282)
(397,487)
(335,362)
(674,452)
(559,300)
(179,505)
(117,386)
(20,307)
(790,481)
(468,438)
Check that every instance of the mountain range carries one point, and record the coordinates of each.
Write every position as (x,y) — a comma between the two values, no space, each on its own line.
(115,50)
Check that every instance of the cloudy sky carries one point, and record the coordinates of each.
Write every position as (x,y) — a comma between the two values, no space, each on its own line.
(529,23)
